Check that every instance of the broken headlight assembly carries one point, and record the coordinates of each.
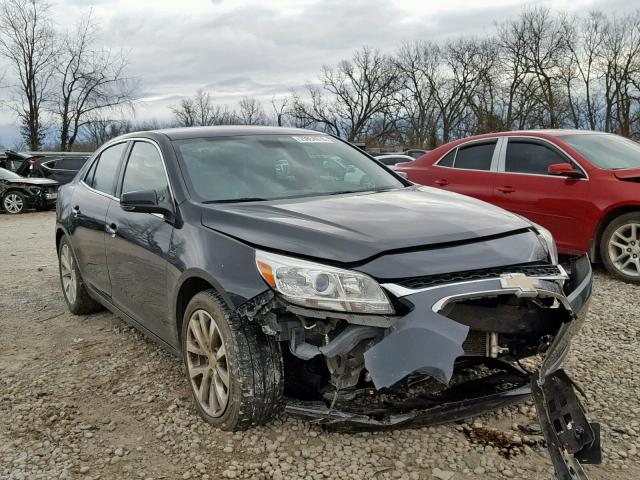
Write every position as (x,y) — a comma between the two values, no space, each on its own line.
(314,285)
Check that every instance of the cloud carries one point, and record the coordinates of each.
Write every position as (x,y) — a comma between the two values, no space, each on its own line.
(262,49)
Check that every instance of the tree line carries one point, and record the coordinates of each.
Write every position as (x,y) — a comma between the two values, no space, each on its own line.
(540,69)
(64,78)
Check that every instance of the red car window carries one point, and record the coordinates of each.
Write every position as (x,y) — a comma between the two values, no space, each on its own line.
(529,157)
(475,157)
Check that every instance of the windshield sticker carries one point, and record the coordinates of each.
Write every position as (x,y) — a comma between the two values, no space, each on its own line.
(313,139)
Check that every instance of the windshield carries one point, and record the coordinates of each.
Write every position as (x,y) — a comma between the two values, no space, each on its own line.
(8,175)
(268,167)
(605,151)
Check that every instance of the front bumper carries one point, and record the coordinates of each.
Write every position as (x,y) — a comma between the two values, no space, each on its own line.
(428,342)
(45,199)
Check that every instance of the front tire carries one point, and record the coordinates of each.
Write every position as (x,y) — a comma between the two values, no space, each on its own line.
(620,247)
(74,290)
(234,370)
(14,202)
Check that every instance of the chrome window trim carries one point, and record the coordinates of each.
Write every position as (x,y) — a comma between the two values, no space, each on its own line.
(96,158)
(53,169)
(494,158)
(164,166)
(132,139)
(503,158)
(108,195)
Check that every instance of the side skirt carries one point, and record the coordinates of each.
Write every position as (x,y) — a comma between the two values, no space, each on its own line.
(98,297)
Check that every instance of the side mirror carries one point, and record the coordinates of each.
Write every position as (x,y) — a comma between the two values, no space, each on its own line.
(564,170)
(143,201)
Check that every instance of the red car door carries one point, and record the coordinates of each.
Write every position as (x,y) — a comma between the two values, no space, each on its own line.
(466,169)
(524,186)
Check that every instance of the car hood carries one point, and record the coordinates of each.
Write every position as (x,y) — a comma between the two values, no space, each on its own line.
(355,227)
(46,182)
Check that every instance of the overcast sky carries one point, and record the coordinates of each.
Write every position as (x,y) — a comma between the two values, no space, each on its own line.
(234,48)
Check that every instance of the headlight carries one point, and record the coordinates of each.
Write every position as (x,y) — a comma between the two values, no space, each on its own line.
(548,242)
(319,286)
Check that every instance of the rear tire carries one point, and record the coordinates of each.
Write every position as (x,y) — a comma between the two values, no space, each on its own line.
(620,247)
(233,368)
(74,289)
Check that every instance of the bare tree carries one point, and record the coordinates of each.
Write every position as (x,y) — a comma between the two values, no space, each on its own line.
(99,130)
(454,73)
(415,98)
(280,110)
(27,40)
(585,38)
(102,129)
(534,49)
(621,62)
(544,52)
(251,112)
(90,80)
(200,110)
(359,90)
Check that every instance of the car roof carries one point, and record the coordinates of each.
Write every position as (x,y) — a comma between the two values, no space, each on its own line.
(541,133)
(536,133)
(390,155)
(184,133)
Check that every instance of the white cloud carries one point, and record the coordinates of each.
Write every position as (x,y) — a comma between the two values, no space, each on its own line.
(250,47)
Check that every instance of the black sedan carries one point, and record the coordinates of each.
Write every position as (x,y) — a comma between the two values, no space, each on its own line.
(18,193)
(283,281)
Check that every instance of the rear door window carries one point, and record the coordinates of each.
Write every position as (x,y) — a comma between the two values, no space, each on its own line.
(530,157)
(475,157)
(71,163)
(447,160)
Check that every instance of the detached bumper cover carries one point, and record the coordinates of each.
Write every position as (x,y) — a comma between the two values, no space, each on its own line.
(571,438)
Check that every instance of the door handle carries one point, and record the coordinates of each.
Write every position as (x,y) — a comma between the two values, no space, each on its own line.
(506,189)
(442,182)
(112,230)
(76,211)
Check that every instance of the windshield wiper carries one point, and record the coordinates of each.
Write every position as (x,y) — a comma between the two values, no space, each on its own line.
(240,199)
(373,190)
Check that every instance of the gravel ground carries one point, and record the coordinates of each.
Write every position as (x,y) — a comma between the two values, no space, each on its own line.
(89,397)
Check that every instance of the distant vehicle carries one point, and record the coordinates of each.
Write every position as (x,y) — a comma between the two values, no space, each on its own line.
(583,186)
(394,159)
(17,162)
(59,166)
(17,193)
(382,154)
(62,169)
(415,152)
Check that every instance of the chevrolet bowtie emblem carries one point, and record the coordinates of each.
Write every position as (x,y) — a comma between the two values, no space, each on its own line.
(526,285)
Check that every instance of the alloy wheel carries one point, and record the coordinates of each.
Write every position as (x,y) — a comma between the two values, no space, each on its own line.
(13,203)
(624,249)
(68,274)
(207,363)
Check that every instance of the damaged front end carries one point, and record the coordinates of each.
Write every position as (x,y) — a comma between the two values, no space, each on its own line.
(451,348)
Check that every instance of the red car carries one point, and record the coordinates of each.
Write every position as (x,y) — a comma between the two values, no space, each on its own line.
(583,186)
